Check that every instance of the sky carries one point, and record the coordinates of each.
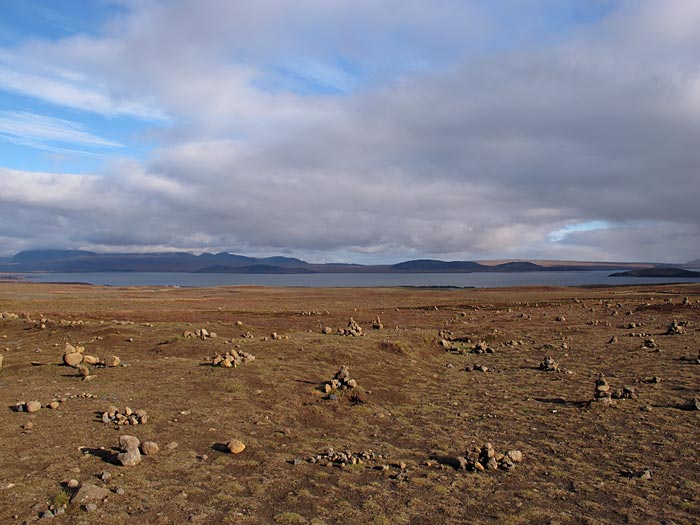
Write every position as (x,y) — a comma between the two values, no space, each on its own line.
(367,131)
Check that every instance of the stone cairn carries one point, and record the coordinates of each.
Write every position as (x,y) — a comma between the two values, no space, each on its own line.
(483,458)
(199,333)
(127,417)
(676,327)
(341,459)
(341,381)
(232,359)
(377,324)
(353,329)
(602,391)
(549,365)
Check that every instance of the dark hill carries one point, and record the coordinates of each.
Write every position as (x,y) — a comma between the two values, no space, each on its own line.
(252,269)
(657,272)
(431,265)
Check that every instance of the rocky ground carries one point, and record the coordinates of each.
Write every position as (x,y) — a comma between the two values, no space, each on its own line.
(261,405)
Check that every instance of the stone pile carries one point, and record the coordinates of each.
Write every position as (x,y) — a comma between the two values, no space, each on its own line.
(549,365)
(483,458)
(686,301)
(602,391)
(481,347)
(649,343)
(75,356)
(626,393)
(477,368)
(353,329)
(341,381)
(377,324)
(131,450)
(8,315)
(128,417)
(232,358)
(343,458)
(199,333)
(676,327)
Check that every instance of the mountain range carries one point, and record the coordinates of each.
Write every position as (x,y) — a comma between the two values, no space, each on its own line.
(82,261)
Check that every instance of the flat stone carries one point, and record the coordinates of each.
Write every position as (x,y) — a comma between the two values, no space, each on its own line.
(127,443)
(88,493)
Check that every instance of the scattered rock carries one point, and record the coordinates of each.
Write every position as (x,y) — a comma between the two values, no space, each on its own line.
(235,446)
(232,358)
(149,448)
(89,493)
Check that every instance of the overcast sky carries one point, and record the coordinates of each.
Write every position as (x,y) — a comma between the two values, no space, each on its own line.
(353,130)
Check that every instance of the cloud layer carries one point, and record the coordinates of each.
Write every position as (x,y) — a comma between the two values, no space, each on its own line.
(416,132)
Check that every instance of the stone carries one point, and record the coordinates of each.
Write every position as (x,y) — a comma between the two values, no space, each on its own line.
(73,358)
(130,458)
(28,425)
(32,406)
(112,361)
(515,456)
(105,476)
(88,493)
(72,483)
(83,370)
(327,330)
(54,405)
(149,448)
(90,360)
(644,474)
(90,507)
(127,443)
(235,446)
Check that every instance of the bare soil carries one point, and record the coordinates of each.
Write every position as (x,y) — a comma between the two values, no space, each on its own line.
(416,404)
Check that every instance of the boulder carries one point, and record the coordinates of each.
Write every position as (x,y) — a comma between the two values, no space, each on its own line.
(149,448)
(88,493)
(235,446)
(73,358)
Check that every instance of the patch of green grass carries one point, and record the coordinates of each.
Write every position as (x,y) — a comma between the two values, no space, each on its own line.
(60,499)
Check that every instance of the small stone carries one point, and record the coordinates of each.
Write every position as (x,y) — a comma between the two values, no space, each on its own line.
(73,358)
(90,360)
(106,475)
(327,330)
(32,406)
(112,361)
(515,456)
(28,425)
(54,405)
(235,446)
(119,491)
(149,448)
(47,514)
(644,474)
(72,483)
(90,507)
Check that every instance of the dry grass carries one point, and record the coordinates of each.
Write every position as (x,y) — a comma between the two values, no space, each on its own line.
(416,407)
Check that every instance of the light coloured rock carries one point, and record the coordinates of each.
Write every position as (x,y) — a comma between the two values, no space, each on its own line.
(90,360)
(130,458)
(112,361)
(54,405)
(128,442)
(515,456)
(83,370)
(88,493)
(235,446)
(149,448)
(32,406)
(73,358)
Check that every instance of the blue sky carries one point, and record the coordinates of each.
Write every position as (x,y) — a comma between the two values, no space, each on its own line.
(464,129)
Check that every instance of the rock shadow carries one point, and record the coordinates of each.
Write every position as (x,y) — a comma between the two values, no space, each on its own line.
(562,402)
(108,456)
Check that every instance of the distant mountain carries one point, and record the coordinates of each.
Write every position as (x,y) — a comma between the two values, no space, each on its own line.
(657,272)
(693,264)
(253,268)
(82,261)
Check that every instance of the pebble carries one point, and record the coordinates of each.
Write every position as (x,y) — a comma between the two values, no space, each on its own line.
(235,446)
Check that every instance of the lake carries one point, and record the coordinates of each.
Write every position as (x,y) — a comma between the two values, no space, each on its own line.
(350,280)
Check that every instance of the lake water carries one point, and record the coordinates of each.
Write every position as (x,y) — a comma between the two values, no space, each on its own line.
(351,280)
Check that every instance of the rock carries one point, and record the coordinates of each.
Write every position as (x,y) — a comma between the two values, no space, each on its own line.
(47,514)
(549,365)
(105,476)
(90,360)
(54,405)
(88,493)
(112,361)
(130,458)
(127,443)
(73,483)
(644,474)
(32,406)
(377,324)
(1,358)
(327,330)
(149,448)
(515,456)
(612,340)
(28,425)
(235,446)
(73,358)
(83,370)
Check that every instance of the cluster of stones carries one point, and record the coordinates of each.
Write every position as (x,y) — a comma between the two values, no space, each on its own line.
(35,406)
(278,337)
(128,417)
(247,335)
(477,368)
(377,324)
(676,327)
(649,343)
(199,333)
(627,392)
(232,359)
(343,458)
(341,381)
(353,329)
(42,323)
(8,315)
(131,449)
(74,356)
(483,458)
(549,365)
